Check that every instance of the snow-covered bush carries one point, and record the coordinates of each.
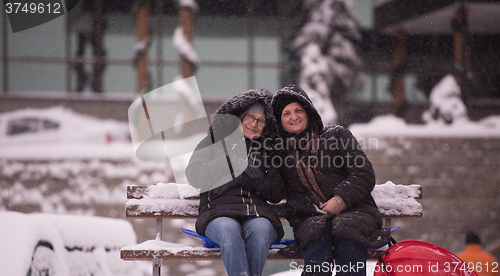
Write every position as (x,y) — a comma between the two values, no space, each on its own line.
(446,103)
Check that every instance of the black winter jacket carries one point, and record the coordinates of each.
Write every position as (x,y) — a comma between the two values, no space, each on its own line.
(341,168)
(236,196)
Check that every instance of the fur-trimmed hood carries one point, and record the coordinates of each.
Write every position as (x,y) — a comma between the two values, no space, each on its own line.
(239,103)
(293,93)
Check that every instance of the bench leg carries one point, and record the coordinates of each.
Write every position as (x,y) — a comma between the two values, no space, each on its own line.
(156,266)
(388,223)
(156,260)
(159,229)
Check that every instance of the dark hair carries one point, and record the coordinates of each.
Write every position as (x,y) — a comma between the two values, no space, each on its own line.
(472,237)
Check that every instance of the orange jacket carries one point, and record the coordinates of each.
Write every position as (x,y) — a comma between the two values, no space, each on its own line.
(484,263)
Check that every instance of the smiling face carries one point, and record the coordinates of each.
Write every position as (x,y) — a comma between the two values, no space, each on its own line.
(251,125)
(294,118)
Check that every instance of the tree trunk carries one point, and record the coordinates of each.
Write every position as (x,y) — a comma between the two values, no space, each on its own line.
(142,33)
(398,78)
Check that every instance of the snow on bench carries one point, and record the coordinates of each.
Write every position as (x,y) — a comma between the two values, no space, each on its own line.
(170,200)
(174,201)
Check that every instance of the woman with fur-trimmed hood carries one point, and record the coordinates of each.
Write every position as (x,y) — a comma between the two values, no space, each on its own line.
(328,184)
(232,168)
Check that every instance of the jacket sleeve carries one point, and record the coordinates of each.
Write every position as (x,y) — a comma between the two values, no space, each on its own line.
(269,187)
(359,178)
(208,167)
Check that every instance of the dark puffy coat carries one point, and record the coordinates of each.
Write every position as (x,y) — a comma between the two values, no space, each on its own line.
(341,168)
(238,196)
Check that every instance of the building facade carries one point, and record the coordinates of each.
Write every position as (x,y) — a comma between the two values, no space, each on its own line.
(91,53)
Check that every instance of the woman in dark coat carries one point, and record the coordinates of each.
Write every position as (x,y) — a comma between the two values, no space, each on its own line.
(328,181)
(232,169)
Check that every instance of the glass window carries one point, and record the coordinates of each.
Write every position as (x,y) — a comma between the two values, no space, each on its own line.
(221,42)
(267,49)
(364,9)
(267,78)
(119,79)
(43,41)
(30,124)
(49,125)
(364,93)
(46,40)
(169,74)
(383,87)
(118,46)
(23,125)
(222,49)
(221,82)
(412,92)
(29,76)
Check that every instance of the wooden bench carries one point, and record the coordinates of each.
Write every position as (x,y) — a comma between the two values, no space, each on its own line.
(180,201)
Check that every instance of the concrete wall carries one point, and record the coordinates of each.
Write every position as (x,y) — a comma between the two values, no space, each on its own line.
(461,186)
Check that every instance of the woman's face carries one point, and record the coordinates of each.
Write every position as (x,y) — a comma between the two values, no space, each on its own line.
(253,124)
(294,118)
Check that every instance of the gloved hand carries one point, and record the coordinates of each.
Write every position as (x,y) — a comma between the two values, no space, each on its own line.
(253,172)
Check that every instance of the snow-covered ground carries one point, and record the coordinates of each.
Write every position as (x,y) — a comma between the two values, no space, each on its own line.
(64,245)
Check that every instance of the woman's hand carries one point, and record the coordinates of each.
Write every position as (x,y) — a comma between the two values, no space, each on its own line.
(332,206)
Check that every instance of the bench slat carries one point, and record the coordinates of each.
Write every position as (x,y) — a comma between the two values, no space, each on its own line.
(161,208)
(138,192)
(200,253)
(188,208)
(133,212)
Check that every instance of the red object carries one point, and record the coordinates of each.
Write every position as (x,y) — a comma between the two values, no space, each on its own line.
(109,138)
(420,258)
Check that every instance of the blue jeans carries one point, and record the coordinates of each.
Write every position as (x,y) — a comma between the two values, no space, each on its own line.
(350,257)
(244,246)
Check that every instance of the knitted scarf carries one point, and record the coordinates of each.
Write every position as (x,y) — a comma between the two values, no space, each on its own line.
(304,171)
